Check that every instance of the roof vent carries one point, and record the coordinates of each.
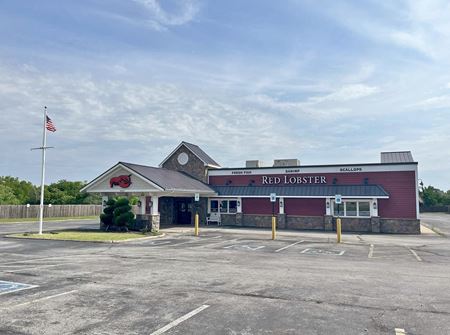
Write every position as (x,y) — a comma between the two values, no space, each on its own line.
(286,162)
(253,164)
(397,157)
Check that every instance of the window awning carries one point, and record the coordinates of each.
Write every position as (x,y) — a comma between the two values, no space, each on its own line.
(304,191)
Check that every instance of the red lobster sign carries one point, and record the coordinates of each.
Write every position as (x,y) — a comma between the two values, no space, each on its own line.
(123,181)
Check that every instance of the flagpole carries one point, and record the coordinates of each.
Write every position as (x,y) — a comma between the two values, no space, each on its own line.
(44,142)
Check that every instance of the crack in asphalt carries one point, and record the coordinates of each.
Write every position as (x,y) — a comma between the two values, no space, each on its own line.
(317,301)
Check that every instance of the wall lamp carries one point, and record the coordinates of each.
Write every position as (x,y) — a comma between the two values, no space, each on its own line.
(139,203)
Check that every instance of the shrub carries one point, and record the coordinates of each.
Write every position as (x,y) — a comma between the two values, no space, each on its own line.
(107,218)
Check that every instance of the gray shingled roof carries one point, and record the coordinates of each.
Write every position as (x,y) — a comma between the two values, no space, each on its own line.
(200,154)
(397,157)
(303,191)
(168,179)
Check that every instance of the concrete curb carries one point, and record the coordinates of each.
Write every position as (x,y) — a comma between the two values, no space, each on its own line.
(108,241)
(435,230)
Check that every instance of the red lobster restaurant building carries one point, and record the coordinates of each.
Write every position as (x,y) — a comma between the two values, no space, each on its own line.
(376,197)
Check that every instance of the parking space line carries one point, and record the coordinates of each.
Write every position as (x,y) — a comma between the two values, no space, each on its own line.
(400,331)
(370,255)
(179,320)
(216,243)
(290,245)
(29,268)
(44,298)
(415,254)
(197,240)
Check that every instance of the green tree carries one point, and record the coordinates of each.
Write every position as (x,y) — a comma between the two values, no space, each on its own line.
(24,191)
(7,196)
(68,192)
(434,197)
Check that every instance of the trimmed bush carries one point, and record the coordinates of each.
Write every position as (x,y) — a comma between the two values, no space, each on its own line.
(107,218)
(117,215)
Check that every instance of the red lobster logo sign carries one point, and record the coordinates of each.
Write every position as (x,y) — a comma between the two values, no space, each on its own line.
(123,181)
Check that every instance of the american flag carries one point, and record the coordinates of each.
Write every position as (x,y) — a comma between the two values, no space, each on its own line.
(49,124)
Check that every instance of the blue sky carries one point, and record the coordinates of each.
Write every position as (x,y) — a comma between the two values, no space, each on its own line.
(326,82)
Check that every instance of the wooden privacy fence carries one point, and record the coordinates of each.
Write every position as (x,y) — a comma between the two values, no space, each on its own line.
(22,211)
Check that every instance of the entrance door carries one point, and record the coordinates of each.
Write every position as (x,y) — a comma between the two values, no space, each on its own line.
(183,211)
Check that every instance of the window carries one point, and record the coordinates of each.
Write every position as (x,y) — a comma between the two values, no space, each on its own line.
(364,208)
(214,206)
(223,206)
(352,208)
(338,209)
(232,206)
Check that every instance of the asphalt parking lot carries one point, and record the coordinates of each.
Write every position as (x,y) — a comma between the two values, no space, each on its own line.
(228,281)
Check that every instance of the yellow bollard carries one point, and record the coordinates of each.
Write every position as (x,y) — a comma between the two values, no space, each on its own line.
(196,225)
(338,229)
(274,227)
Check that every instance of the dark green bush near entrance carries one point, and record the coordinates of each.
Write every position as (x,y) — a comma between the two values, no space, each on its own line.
(117,215)
(107,218)
(123,216)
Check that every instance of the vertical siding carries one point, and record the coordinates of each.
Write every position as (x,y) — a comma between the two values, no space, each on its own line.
(304,207)
(258,206)
(400,185)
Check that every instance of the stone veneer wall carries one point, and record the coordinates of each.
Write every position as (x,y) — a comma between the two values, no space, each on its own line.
(400,226)
(355,224)
(305,222)
(366,225)
(194,167)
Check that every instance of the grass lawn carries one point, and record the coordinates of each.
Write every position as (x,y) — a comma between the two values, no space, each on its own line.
(20,220)
(83,235)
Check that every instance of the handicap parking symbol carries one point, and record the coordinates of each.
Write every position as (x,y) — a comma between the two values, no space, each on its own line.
(9,287)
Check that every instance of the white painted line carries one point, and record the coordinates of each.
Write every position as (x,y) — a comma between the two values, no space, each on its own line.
(245,247)
(342,252)
(370,255)
(30,268)
(216,243)
(44,298)
(415,255)
(306,250)
(288,246)
(179,320)
(198,239)
(400,331)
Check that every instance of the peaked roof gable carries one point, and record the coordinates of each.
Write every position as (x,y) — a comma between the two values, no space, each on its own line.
(157,179)
(197,151)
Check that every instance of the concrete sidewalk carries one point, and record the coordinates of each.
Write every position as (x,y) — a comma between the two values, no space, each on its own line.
(427,236)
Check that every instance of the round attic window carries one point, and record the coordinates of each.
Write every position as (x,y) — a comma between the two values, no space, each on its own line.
(183,158)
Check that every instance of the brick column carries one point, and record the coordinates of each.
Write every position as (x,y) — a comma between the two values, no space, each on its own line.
(239,219)
(328,222)
(155,222)
(281,221)
(375,223)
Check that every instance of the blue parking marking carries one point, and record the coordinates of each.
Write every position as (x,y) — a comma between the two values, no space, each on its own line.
(9,287)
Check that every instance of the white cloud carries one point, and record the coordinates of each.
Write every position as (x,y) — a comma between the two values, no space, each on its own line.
(418,25)
(185,12)
(442,101)
(347,93)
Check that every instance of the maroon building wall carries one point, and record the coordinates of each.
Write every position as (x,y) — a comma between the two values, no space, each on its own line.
(258,206)
(400,186)
(304,207)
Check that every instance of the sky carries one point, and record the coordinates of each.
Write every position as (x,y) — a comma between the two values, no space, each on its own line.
(327,82)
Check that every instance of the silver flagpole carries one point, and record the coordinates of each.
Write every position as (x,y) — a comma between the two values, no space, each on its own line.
(44,142)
